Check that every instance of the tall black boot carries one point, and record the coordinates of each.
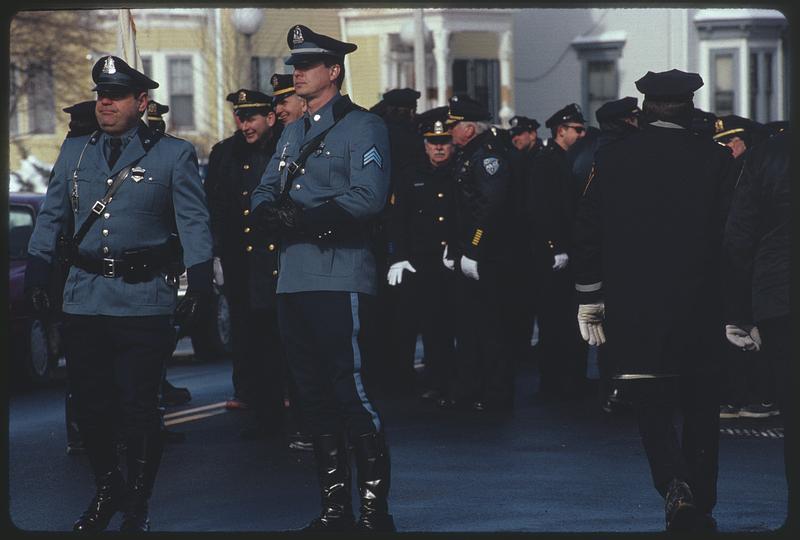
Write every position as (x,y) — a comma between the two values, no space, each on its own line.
(144,456)
(102,452)
(372,462)
(333,470)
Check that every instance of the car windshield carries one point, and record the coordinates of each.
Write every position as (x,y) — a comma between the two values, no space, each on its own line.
(20,227)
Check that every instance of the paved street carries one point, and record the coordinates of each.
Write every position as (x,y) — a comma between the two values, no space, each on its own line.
(559,467)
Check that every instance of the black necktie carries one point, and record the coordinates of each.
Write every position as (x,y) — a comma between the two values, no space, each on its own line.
(307,123)
(116,150)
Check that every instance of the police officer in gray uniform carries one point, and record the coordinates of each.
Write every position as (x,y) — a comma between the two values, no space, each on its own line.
(328,179)
(127,190)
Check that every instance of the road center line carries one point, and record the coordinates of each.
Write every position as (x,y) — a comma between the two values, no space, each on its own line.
(193,417)
(184,412)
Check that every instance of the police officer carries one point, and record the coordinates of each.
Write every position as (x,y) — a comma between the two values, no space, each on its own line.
(249,261)
(327,179)
(155,116)
(417,227)
(287,104)
(526,145)
(481,252)
(617,119)
(756,277)
(398,109)
(549,208)
(647,244)
(128,190)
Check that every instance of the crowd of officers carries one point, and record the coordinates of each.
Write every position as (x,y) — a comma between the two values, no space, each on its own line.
(481,231)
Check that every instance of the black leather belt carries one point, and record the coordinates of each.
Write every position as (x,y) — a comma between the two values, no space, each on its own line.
(109,268)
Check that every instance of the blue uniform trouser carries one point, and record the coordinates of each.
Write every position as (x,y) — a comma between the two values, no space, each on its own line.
(325,342)
(114,365)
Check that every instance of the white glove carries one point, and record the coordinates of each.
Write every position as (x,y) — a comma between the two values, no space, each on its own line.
(590,322)
(469,268)
(561,260)
(450,264)
(395,275)
(219,279)
(747,341)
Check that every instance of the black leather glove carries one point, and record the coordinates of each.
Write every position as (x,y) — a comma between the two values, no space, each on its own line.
(265,216)
(193,308)
(290,215)
(39,301)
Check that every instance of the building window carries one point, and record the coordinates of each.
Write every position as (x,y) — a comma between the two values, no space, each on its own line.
(41,100)
(723,73)
(480,79)
(181,93)
(599,56)
(147,66)
(601,83)
(761,85)
(261,70)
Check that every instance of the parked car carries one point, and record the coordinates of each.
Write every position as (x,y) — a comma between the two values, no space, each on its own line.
(35,344)
(213,340)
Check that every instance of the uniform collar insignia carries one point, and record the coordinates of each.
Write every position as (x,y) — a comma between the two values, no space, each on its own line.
(109,67)
(297,36)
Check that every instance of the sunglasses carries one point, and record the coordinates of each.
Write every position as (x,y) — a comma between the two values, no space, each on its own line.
(578,129)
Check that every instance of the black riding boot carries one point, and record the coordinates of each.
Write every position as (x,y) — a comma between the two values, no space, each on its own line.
(333,469)
(372,462)
(144,457)
(101,449)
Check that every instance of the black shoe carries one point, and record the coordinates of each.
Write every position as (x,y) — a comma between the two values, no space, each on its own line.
(445,403)
(680,512)
(106,502)
(301,442)
(374,477)
(705,522)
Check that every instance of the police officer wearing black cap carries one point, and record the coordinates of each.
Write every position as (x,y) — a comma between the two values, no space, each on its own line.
(82,119)
(249,263)
(526,145)
(647,245)
(549,207)
(127,191)
(420,215)
(327,180)
(287,104)
(480,252)
(617,119)
(155,116)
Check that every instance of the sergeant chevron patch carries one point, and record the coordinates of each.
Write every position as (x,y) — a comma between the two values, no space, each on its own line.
(372,156)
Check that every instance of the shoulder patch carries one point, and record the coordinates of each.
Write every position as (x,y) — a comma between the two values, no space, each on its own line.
(491,165)
(372,156)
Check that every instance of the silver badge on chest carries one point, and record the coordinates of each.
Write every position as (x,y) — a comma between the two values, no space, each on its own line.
(137,174)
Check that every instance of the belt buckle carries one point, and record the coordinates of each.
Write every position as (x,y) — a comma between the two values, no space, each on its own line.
(98,207)
(109,268)
(292,167)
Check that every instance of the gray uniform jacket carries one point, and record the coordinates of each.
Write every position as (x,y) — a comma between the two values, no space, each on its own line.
(168,198)
(353,170)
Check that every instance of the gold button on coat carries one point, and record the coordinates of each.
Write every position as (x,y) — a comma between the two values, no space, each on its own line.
(105,250)
(440,195)
(271,247)
(249,249)
(247,212)
(274,272)
(245,193)
(246,230)
(246,166)
(441,218)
